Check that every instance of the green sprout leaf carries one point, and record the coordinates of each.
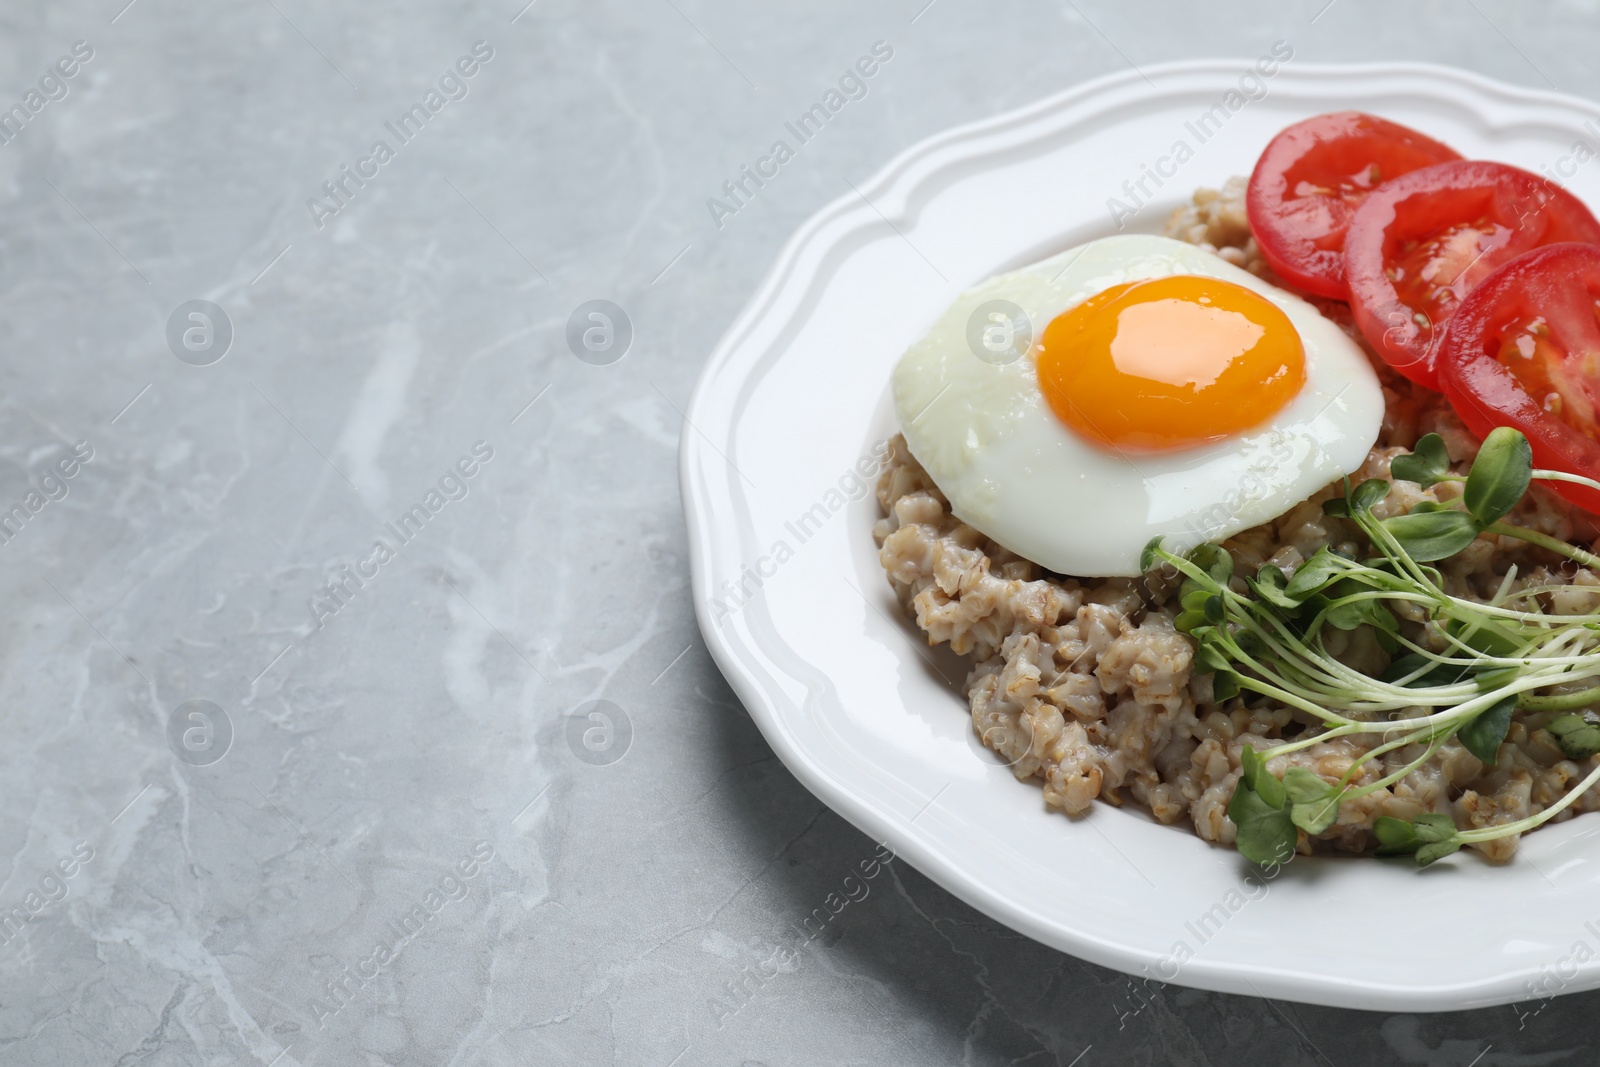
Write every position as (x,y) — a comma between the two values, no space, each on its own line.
(1499,475)
(1396,837)
(1313,803)
(1437,837)
(1266,835)
(1432,837)
(1260,780)
(1367,495)
(1345,616)
(1337,506)
(1427,464)
(1208,657)
(1429,535)
(1483,735)
(1224,686)
(1436,850)
(1266,832)
(1147,558)
(1321,569)
(1380,617)
(1577,735)
(1434,827)
(1214,560)
(1301,785)
(1269,585)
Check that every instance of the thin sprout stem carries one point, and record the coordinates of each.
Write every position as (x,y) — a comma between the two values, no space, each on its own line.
(1504,591)
(1534,618)
(1534,537)
(1563,476)
(1339,680)
(1335,688)
(1294,700)
(1306,742)
(1459,713)
(1292,664)
(1549,654)
(1559,701)
(1334,674)
(1383,749)
(1387,696)
(1538,590)
(1356,598)
(1437,742)
(1391,548)
(1489,833)
(1337,677)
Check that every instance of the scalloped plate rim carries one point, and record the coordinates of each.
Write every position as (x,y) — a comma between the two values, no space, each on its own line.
(733,656)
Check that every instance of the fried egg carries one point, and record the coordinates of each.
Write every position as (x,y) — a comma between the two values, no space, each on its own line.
(1130,388)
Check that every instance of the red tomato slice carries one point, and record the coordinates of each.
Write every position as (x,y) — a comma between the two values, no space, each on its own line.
(1523,350)
(1421,242)
(1309,182)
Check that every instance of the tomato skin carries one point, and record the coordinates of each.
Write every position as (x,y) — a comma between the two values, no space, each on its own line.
(1301,231)
(1559,286)
(1445,205)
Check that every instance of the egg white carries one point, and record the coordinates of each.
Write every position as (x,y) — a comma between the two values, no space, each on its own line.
(1010,468)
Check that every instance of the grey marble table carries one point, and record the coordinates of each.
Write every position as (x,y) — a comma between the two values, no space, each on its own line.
(319,533)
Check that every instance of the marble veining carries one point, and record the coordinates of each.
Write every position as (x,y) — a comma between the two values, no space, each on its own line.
(274,796)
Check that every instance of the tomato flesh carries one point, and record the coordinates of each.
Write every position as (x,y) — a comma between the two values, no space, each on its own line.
(1523,350)
(1311,178)
(1420,243)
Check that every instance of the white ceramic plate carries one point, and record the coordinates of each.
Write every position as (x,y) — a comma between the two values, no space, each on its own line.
(854,702)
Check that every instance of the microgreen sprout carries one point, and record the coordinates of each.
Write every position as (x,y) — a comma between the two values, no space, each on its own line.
(1266,635)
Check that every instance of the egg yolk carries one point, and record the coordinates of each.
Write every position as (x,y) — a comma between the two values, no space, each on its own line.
(1169,363)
